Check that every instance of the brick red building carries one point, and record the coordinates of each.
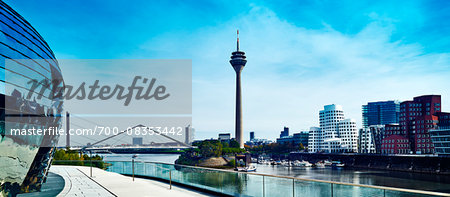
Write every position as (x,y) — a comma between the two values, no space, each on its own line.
(393,129)
(395,144)
(417,117)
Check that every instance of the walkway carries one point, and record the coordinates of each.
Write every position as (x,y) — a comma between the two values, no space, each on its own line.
(103,183)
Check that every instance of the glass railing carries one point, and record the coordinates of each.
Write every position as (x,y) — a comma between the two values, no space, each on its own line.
(252,184)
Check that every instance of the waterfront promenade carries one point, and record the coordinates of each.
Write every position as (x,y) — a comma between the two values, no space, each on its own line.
(79,183)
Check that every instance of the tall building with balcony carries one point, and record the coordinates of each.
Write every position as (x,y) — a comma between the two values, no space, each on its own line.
(417,117)
(380,113)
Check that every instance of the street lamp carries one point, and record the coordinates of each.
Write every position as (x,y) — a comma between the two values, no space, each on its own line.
(132,163)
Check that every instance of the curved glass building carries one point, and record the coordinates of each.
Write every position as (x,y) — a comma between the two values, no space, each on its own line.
(25,58)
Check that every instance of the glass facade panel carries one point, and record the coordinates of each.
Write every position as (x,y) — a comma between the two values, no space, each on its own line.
(381,113)
(25,159)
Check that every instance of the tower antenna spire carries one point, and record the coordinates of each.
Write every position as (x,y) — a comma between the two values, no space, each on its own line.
(237,40)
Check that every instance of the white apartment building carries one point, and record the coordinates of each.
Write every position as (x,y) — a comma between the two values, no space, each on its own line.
(314,139)
(348,133)
(336,134)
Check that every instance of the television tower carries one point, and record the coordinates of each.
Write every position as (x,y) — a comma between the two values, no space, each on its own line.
(238,62)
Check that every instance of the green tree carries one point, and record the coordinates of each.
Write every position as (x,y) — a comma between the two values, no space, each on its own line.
(301,147)
(234,144)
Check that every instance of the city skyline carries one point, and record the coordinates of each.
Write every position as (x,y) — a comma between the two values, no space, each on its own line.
(301,59)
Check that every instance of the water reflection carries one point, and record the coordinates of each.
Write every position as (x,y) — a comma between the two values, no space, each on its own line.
(220,181)
(421,181)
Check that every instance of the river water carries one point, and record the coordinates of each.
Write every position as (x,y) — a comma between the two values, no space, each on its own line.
(429,182)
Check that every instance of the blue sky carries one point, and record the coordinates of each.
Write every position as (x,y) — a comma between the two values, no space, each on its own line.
(301,54)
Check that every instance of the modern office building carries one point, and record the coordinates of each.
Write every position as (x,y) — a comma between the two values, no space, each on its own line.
(189,133)
(441,140)
(137,141)
(295,139)
(224,136)
(443,119)
(380,113)
(24,57)
(336,133)
(285,132)
(258,142)
(238,62)
(417,117)
(252,135)
(441,136)
(302,138)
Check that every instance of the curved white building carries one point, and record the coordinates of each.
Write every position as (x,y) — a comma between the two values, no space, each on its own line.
(336,134)
(348,133)
(329,119)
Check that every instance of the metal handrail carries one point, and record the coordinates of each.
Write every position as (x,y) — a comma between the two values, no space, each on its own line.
(79,161)
(305,179)
(284,177)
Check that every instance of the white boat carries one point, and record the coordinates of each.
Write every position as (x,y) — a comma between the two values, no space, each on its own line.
(340,165)
(327,163)
(246,169)
(302,164)
(250,169)
(262,161)
(320,164)
(286,163)
(337,164)
(306,163)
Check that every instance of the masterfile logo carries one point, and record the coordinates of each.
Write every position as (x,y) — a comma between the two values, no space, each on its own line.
(94,91)
(115,94)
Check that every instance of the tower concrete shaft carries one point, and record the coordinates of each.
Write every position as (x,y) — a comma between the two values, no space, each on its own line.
(238,62)
(238,124)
